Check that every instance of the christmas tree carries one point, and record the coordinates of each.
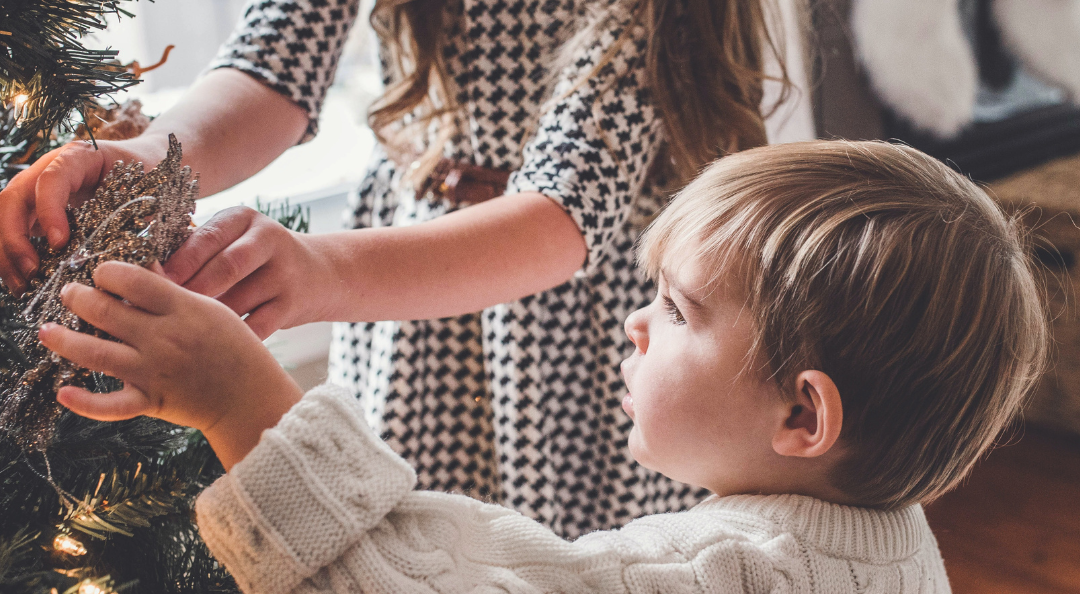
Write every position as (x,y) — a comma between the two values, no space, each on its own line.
(87,507)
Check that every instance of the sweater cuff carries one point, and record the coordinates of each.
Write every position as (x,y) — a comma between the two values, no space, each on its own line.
(307,492)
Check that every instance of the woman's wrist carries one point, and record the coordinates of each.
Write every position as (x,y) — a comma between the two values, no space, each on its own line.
(329,263)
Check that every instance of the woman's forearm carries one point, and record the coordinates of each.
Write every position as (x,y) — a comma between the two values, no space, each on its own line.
(494,252)
(230,126)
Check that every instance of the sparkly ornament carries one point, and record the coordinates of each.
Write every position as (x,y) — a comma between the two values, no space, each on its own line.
(135,216)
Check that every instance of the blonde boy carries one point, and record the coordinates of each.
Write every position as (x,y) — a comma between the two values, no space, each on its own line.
(841,330)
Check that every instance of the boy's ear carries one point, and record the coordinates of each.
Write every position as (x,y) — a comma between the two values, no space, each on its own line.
(814,417)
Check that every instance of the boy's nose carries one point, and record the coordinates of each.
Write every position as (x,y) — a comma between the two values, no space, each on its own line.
(637,329)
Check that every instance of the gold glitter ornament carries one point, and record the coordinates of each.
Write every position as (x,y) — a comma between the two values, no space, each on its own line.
(135,216)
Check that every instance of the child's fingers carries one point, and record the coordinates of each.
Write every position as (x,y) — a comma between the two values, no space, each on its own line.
(113,406)
(141,287)
(110,358)
(106,312)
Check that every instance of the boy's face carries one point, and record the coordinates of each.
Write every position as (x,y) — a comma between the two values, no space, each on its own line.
(701,416)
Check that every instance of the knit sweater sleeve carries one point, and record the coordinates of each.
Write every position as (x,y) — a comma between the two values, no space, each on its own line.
(322,505)
(597,137)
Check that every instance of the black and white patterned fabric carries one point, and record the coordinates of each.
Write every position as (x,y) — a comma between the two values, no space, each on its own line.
(518,404)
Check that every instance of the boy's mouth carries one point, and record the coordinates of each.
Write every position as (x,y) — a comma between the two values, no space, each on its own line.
(628,405)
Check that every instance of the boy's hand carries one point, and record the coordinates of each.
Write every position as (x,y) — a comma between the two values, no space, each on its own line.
(185,358)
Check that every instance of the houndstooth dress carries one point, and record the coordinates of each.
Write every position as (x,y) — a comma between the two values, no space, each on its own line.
(521,403)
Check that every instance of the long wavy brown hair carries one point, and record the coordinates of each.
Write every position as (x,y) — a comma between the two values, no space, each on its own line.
(705,67)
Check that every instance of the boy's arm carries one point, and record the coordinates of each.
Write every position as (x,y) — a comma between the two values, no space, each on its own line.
(312,488)
(321,504)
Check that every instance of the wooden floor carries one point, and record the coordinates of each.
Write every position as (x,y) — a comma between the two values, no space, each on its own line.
(1014,526)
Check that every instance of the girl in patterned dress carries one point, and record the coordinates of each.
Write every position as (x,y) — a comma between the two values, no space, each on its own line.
(597,109)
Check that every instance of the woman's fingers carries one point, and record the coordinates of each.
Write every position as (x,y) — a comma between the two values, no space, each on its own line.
(78,165)
(203,250)
(36,199)
(111,358)
(142,288)
(18,260)
(113,406)
(254,290)
(14,280)
(267,318)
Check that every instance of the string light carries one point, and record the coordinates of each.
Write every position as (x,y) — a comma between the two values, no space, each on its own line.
(88,587)
(65,544)
(19,105)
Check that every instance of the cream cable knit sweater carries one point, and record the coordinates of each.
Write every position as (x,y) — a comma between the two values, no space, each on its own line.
(322,505)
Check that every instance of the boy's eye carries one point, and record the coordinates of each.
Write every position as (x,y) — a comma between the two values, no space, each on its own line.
(673,311)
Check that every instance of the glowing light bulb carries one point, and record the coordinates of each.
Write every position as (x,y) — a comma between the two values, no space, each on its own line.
(66,544)
(89,588)
(18,104)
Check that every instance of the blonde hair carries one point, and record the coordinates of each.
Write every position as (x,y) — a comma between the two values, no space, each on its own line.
(883,268)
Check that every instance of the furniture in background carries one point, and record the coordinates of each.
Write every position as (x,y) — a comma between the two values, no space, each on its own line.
(1030,156)
(1019,120)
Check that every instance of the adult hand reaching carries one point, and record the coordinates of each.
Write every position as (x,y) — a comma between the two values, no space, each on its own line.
(33,202)
(254,266)
(493,252)
(230,124)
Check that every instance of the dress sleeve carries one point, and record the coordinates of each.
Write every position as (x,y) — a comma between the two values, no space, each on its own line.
(292,46)
(322,505)
(596,139)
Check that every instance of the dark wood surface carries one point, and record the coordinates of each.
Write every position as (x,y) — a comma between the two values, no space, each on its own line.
(1014,526)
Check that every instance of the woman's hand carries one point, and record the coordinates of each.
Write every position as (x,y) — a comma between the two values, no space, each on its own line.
(33,202)
(493,252)
(254,266)
(184,358)
(230,124)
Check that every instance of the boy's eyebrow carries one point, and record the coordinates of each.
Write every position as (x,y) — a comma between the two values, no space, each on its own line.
(674,285)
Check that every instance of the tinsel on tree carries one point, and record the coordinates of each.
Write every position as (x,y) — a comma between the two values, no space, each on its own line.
(88,507)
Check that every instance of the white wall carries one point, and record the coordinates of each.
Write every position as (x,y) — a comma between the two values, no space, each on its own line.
(196,27)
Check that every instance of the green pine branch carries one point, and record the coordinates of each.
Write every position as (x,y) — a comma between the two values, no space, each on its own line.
(15,552)
(294,218)
(125,500)
(132,513)
(46,73)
